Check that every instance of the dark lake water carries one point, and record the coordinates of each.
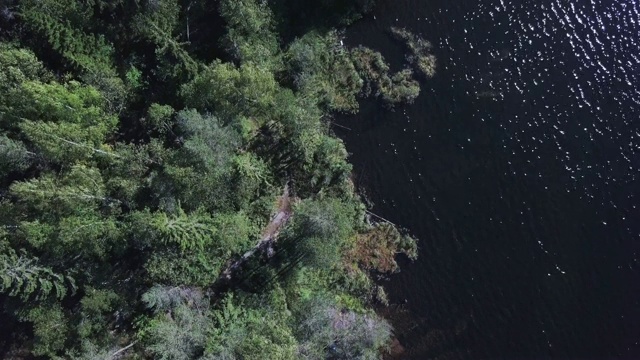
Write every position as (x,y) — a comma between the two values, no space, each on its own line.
(517,168)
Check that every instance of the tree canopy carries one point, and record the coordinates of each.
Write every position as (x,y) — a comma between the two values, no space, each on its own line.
(144,151)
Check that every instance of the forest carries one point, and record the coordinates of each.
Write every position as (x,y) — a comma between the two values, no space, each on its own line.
(171,188)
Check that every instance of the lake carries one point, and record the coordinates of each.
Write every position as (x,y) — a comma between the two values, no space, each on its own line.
(517,169)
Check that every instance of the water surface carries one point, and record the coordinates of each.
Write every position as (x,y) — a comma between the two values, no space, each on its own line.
(517,167)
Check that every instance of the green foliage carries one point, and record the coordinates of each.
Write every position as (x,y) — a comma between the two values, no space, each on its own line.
(17,66)
(393,88)
(97,306)
(66,123)
(22,276)
(60,22)
(159,117)
(14,155)
(251,36)
(330,164)
(230,91)
(95,235)
(50,328)
(182,335)
(157,23)
(76,191)
(319,231)
(244,333)
(132,162)
(134,78)
(322,69)
(191,248)
(206,139)
(164,298)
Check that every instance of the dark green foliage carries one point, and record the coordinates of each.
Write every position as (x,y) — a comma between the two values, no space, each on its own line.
(157,24)
(297,17)
(61,24)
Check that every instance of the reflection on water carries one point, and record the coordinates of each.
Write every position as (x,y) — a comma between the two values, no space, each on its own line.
(517,167)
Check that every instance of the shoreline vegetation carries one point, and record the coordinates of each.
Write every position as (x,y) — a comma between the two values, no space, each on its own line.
(419,55)
(170,187)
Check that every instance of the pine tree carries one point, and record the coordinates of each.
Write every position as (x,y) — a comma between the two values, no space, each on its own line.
(22,276)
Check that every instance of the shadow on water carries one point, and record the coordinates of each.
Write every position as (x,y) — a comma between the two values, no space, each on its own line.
(515,260)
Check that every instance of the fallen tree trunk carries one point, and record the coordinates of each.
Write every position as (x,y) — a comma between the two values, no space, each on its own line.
(264,245)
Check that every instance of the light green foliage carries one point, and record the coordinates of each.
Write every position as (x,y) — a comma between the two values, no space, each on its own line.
(322,69)
(191,248)
(229,91)
(17,66)
(22,276)
(36,233)
(66,25)
(126,168)
(351,289)
(252,177)
(84,234)
(65,122)
(94,234)
(193,268)
(165,298)
(400,88)
(78,190)
(250,34)
(193,231)
(244,333)
(159,117)
(179,329)
(319,231)
(91,351)
(134,78)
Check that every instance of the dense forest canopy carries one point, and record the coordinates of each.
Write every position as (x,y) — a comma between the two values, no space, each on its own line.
(170,187)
